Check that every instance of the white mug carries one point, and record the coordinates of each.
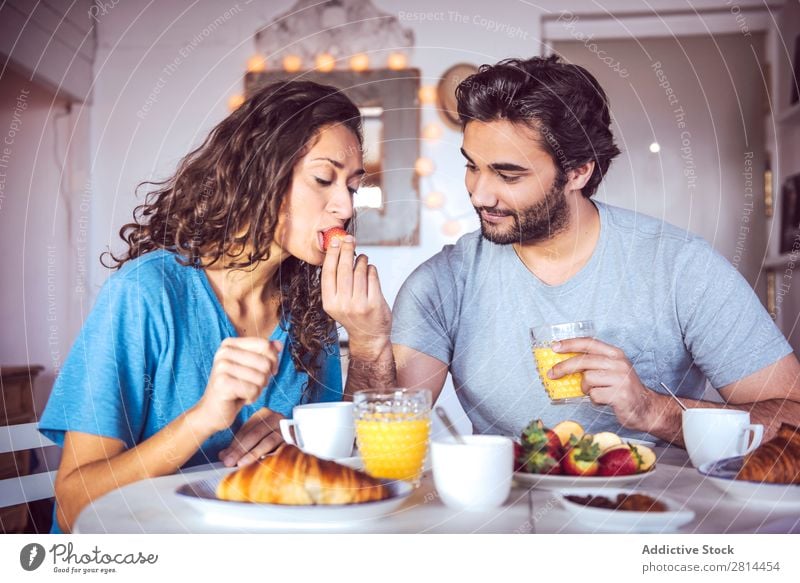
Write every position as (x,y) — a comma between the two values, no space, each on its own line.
(475,475)
(325,430)
(715,434)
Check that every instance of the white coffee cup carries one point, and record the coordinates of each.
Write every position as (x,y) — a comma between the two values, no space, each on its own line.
(475,475)
(715,434)
(326,430)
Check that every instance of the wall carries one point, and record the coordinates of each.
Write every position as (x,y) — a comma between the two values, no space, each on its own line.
(783,143)
(40,307)
(709,127)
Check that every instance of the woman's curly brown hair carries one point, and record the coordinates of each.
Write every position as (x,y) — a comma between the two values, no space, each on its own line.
(223,201)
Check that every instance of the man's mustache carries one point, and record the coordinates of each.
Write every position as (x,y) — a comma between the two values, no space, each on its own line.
(494,211)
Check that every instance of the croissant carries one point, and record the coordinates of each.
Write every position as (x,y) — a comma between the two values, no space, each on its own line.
(776,461)
(291,476)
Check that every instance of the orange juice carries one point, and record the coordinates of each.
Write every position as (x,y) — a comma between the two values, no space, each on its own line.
(392,445)
(566,387)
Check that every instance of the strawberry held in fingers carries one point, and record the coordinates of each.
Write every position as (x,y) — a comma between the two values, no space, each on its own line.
(581,459)
(330,234)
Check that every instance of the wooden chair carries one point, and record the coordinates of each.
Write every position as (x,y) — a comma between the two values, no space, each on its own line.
(18,436)
(22,489)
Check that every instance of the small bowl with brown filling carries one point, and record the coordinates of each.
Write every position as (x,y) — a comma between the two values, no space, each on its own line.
(616,510)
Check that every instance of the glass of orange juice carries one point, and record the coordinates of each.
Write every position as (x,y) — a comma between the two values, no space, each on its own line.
(392,432)
(568,387)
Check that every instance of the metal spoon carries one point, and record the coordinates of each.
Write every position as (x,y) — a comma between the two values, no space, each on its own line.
(449,425)
(673,396)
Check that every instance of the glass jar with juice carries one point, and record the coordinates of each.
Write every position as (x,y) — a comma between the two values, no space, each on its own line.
(392,432)
(568,387)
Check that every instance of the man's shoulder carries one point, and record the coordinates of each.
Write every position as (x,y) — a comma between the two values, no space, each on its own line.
(637,231)
(450,267)
(463,252)
(641,226)
(655,242)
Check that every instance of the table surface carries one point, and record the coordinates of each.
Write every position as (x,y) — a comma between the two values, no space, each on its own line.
(152,506)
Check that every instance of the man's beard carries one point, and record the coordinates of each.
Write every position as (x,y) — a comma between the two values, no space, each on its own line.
(536,223)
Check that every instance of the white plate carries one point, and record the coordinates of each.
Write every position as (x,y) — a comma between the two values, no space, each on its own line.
(553,482)
(603,519)
(722,474)
(202,496)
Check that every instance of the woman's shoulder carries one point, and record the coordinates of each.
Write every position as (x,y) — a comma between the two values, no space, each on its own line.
(153,266)
(148,277)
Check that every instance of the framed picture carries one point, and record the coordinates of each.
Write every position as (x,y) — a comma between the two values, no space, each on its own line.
(790,214)
(390,114)
(795,80)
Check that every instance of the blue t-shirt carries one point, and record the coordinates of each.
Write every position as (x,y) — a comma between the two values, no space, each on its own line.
(681,313)
(144,356)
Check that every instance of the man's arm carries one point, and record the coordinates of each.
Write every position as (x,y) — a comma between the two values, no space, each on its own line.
(771,395)
(416,369)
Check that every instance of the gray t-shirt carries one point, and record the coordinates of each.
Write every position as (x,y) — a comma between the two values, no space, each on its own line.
(681,313)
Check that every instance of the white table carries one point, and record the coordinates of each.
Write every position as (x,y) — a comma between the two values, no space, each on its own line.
(152,506)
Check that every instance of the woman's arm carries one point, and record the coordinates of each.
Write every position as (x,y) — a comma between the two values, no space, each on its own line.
(351,295)
(92,465)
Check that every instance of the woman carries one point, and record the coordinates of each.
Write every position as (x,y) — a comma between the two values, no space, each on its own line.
(213,327)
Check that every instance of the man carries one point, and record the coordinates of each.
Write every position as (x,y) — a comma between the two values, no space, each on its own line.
(666,307)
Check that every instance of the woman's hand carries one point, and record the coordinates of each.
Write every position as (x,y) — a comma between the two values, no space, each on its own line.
(259,436)
(242,368)
(351,295)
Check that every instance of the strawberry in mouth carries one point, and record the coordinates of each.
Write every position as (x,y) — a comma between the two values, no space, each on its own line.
(329,235)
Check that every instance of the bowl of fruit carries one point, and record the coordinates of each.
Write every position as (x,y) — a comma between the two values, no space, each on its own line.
(568,456)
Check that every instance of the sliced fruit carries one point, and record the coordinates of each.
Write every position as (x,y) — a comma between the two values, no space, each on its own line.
(620,461)
(565,429)
(581,459)
(606,440)
(331,234)
(647,457)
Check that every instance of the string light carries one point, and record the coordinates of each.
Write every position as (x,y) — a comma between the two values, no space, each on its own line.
(432,131)
(256,64)
(424,166)
(359,62)
(235,101)
(451,228)
(427,94)
(434,200)
(325,62)
(397,61)
(292,63)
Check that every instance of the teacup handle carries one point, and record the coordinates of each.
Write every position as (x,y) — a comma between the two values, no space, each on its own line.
(286,425)
(757,432)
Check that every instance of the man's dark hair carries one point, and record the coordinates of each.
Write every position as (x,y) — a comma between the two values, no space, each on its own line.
(564,103)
